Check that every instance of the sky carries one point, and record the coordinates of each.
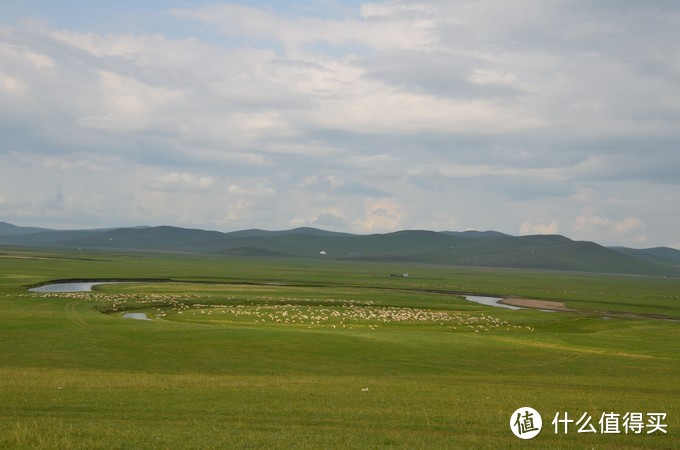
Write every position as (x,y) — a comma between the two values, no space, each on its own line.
(525,117)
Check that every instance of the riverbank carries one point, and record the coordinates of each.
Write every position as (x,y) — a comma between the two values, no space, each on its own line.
(548,305)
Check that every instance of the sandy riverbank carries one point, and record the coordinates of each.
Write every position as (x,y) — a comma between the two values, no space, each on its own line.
(537,304)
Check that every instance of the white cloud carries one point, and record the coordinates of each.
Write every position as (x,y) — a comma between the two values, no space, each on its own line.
(181,181)
(319,181)
(238,213)
(331,219)
(381,110)
(607,230)
(259,190)
(583,195)
(262,24)
(11,84)
(589,221)
(381,216)
(128,104)
(40,61)
(528,228)
(505,113)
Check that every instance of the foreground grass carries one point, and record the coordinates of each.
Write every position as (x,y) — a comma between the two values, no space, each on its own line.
(73,377)
(124,410)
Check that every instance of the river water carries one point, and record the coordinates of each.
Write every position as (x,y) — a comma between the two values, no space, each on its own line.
(489,301)
(85,286)
(70,287)
(136,316)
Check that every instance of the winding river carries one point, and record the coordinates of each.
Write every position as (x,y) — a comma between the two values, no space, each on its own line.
(489,301)
(86,286)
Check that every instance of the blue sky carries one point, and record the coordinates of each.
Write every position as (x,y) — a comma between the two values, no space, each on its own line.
(524,117)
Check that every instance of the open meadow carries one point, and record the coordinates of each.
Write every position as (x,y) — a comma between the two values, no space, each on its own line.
(313,353)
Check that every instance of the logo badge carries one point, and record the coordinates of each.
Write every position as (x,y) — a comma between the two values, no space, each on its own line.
(526,423)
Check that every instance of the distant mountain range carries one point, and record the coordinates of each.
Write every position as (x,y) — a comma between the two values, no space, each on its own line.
(469,248)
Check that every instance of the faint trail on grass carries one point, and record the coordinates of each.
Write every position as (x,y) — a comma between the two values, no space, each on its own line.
(181,363)
(588,388)
(583,350)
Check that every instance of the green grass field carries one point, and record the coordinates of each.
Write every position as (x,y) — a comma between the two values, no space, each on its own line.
(274,353)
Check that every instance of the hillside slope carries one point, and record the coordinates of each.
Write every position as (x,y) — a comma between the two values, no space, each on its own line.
(8,229)
(473,248)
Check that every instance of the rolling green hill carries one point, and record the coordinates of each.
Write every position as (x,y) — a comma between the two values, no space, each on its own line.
(469,248)
(658,255)
(9,229)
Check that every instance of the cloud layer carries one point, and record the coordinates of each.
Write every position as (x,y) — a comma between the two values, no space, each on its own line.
(524,117)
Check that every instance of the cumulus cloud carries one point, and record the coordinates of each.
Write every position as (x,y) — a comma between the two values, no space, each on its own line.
(528,228)
(627,225)
(609,230)
(262,24)
(329,219)
(255,191)
(181,181)
(381,216)
(11,84)
(474,114)
(127,104)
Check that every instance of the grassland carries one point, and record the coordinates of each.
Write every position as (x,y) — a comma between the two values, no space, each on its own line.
(277,353)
